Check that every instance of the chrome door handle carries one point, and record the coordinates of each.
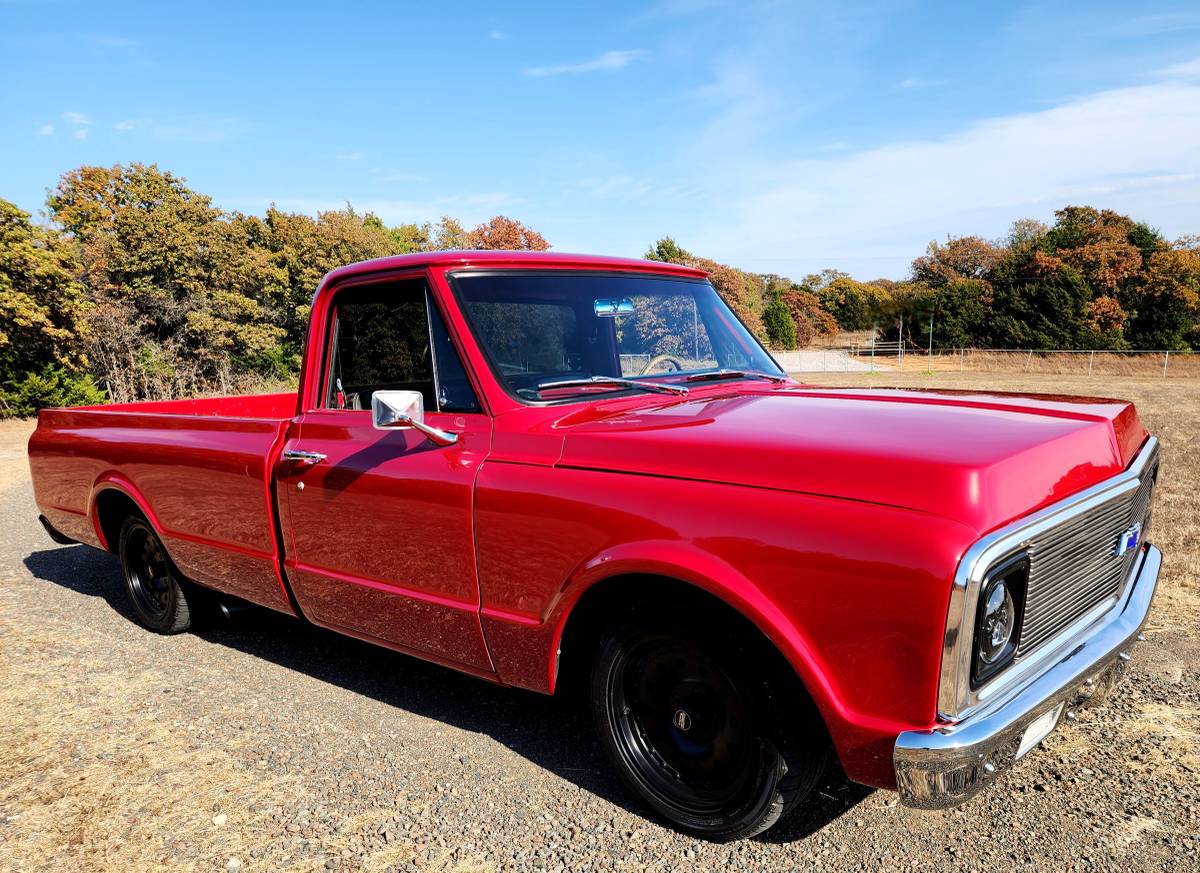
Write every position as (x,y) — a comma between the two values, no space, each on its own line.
(303,457)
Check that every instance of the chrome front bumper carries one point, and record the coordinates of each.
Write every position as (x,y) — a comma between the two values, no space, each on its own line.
(947,765)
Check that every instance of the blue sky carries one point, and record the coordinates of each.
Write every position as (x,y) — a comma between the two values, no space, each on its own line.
(782,137)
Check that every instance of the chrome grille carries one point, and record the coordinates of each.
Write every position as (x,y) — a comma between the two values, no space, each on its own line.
(1073,568)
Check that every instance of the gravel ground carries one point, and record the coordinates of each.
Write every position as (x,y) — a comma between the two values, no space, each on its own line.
(267,744)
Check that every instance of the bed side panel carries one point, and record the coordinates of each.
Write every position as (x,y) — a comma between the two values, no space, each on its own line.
(203,480)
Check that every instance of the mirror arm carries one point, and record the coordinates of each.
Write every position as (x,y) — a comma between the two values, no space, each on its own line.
(434,435)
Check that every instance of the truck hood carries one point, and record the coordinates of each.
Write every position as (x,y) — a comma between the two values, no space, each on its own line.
(980,459)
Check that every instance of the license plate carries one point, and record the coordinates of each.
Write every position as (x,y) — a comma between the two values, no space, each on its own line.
(1038,728)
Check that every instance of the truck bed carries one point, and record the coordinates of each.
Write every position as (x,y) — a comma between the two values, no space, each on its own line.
(204,466)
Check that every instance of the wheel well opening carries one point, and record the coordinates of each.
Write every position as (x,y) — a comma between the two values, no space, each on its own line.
(112,508)
(606,601)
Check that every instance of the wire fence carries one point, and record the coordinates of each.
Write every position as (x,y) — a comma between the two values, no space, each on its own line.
(892,357)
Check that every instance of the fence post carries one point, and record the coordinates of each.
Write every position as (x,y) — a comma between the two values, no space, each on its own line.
(1091,360)
(962,354)
(1166,360)
(1029,361)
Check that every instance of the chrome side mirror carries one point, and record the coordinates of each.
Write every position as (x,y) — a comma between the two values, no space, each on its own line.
(401,409)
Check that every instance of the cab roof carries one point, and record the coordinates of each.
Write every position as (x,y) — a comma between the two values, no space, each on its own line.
(531,260)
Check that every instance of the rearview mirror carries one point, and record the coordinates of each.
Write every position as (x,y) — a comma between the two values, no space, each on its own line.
(403,409)
(612,307)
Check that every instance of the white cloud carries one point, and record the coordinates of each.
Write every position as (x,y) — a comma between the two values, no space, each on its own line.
(1136,149)
(1185,70)
(45,130)
(920,83)
(76,118)
(187,128)
(350,156)
(678,9)
(611,60)
(615,187)
(1155,25)
(497,34)
(82,133)
(399,177)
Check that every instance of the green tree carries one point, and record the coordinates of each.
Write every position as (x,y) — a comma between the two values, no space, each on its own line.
(1166,301)
(42,318)
(1041,304)
(168,272)
(959,311)
(855,305)
(779,324)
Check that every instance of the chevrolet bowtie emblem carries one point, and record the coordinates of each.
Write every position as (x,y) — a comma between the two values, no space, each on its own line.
(1129,539)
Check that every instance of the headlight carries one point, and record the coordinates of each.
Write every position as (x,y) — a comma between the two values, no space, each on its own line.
(998,625)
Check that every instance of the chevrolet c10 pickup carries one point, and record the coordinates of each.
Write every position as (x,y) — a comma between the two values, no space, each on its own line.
(557,471)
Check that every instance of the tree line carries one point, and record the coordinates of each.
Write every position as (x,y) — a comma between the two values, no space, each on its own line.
(139,287)
(1094,279)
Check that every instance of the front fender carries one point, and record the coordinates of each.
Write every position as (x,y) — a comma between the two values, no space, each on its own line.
(853,595)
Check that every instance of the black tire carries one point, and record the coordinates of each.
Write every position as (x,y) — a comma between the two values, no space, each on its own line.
(154,586)
(702,724)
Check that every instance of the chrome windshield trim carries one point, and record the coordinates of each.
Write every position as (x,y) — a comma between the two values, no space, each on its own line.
(956,698)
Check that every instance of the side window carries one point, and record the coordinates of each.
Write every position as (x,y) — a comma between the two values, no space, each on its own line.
(454,390)
(380,341)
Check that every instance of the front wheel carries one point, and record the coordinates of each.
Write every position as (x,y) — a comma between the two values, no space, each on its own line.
(690,719)
(153,583)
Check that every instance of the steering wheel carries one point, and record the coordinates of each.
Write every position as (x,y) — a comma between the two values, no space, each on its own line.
(674,364)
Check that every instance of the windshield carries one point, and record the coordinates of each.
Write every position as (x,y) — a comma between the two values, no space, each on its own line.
(537,328)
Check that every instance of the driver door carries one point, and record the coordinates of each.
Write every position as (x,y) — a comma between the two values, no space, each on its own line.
(378,529)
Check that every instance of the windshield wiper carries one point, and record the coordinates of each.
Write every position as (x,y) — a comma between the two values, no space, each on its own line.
(734,374)
(657,387)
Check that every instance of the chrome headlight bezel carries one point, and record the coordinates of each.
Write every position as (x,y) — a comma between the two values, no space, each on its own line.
(1013,574)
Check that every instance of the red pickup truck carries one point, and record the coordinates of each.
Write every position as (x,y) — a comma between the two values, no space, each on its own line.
(556,471)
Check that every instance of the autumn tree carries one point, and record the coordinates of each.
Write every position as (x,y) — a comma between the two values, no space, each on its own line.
(502,232)
(299,250)
(43,318)
(175,287)
(1165,300)
(448,234)
(810,317)
(741,291)
(963,257)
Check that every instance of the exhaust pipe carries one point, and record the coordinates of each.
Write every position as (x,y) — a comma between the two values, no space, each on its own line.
(55,534)
(231,609)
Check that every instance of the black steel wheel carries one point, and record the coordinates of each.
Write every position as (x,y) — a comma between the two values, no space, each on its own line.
(688,715)
(152,581)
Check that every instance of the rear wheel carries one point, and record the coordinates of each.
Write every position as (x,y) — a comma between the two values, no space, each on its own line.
(153,583)
(690,714)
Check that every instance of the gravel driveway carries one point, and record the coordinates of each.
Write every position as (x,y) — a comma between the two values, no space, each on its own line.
(267,744)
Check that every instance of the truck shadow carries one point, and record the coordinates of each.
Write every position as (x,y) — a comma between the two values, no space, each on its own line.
(553,733)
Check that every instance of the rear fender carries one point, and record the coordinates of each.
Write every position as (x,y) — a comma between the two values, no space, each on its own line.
(114,481)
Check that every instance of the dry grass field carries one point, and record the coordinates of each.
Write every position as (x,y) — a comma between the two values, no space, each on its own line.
(1003,364)
(269,746)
